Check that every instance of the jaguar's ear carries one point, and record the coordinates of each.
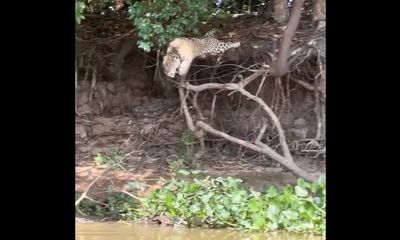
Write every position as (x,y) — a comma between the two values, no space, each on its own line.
(174,51)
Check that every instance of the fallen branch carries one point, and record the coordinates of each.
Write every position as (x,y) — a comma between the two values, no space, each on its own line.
(133,196)
(260,134)
(317,152)
(286,160)
(306,85)
(237,87)
(83,196)
(265,150)
(253,76)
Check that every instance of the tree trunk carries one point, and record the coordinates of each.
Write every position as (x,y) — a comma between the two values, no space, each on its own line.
(281,11)
(319,12)
(280,65)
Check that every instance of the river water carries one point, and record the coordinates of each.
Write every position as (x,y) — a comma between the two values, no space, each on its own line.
(123,231)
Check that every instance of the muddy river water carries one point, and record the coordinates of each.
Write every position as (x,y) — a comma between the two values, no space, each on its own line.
(123,231)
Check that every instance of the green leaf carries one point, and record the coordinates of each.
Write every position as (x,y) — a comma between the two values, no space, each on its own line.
(184,172)
(259,222)
(195,172)
(322,180)
(303,184)
(79,8)
(252,205)
(272,192)
(290,214)
(206,197)
(180,196)
(219,206)
(223,213)
(255,193)
(234,181)
(169,198)
(237,197)
(145,46)
(272,225)
(301,192)
(317,201)
(288,190)
(194,208)
(209,210)
(235,208)
(314,187)
(272,212)
(245,223)
(158,28)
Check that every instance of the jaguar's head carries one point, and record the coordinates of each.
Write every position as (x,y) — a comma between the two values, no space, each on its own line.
(171,63)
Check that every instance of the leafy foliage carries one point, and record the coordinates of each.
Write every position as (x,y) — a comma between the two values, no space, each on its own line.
(99,6)
(223,202)
(79,8)
(186,155)
(93,209)
(123,206)
(113,157)
(119,205)
(160,21)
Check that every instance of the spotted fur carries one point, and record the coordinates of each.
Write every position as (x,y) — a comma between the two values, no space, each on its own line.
(210,33)
(182,51)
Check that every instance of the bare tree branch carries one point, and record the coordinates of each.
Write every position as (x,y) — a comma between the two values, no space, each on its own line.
(286,160)
(265,149)
(83,196)
(237,87)
(189,120)
(253,76)
(260,134)
(306,85)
